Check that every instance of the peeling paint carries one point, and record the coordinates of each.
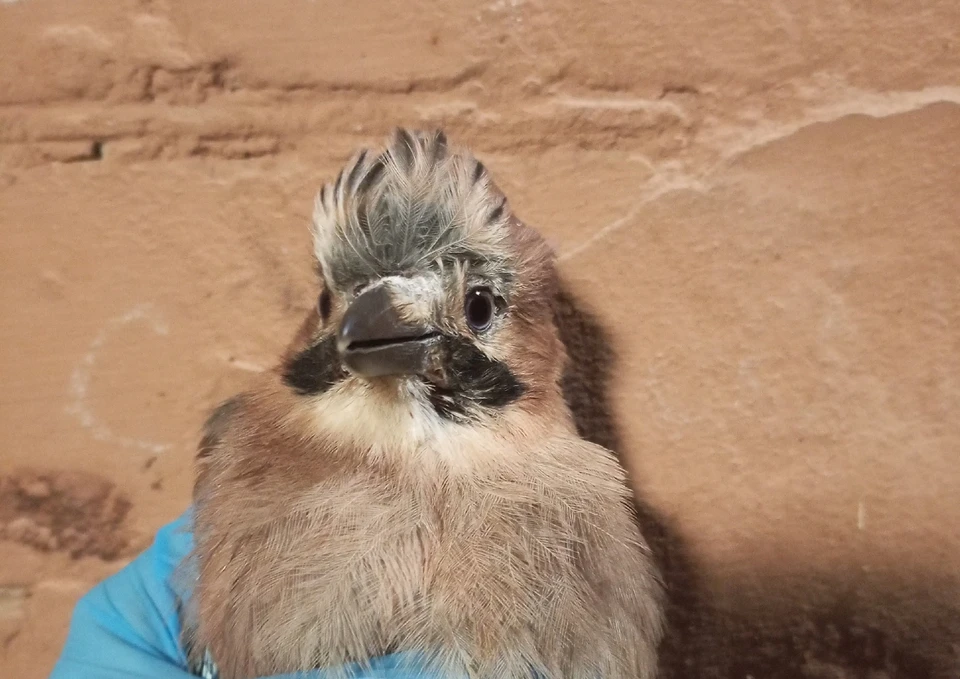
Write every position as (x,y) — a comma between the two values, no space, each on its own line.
(79,405)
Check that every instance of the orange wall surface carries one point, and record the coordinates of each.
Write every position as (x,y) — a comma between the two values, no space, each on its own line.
(757,205)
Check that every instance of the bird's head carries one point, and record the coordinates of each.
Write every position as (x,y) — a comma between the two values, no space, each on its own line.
(436,303)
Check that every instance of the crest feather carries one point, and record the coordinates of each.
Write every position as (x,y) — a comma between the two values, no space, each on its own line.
(416,202)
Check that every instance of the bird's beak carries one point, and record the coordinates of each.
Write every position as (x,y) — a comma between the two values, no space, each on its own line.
(374,341)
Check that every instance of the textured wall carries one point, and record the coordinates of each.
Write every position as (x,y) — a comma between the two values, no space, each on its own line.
(757,209)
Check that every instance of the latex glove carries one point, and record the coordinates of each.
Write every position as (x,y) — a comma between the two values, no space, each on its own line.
(127,627)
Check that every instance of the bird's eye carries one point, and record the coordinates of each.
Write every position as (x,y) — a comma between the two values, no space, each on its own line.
(479,308)
(323,304)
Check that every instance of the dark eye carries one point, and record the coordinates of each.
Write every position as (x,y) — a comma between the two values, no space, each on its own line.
(479,308)
(323,304)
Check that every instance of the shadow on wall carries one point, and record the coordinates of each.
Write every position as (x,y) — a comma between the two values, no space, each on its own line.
(906,633)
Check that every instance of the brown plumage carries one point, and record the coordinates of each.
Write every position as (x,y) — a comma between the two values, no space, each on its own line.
(409,478)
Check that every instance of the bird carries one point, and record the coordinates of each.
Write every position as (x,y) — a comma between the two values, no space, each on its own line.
(409,478)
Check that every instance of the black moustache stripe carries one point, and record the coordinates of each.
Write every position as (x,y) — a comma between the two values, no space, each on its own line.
(476,380)
(315,369)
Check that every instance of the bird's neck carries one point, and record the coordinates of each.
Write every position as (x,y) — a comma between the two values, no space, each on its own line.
(399,426)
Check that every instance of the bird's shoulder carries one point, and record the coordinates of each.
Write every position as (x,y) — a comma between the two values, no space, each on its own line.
(260,435)
(572,463)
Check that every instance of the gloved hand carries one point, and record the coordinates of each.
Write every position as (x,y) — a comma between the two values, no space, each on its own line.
(127,627)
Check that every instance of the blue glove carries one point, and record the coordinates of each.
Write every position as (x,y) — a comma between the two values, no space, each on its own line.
(127,627)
